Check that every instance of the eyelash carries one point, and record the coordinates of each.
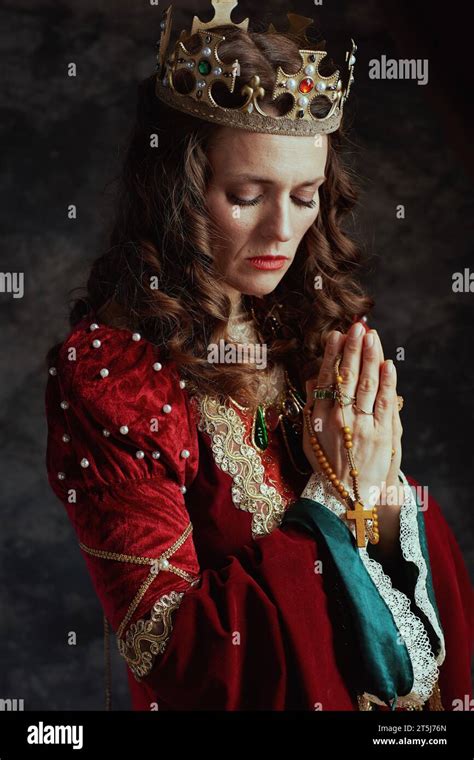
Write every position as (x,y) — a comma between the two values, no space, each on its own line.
(256,201)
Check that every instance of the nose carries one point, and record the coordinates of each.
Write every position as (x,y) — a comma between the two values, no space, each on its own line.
(278,223)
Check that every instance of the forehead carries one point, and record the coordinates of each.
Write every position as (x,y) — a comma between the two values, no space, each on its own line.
(235,152)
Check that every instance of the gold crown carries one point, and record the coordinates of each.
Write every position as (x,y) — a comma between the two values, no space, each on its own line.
(305,85)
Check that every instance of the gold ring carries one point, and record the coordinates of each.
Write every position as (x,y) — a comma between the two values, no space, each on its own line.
(362,411)
(320,393)
(350,399)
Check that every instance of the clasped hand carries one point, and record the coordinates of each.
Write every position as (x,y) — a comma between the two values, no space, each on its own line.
(371,379)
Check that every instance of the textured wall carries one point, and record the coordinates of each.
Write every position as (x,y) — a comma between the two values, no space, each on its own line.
(63,139)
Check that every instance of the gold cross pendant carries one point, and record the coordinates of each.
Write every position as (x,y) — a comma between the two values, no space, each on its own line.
(359,515)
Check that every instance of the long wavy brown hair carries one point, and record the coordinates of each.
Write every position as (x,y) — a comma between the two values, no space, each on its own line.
(158,273)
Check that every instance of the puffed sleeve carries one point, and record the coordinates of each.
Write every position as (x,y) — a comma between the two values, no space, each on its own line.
(122,450)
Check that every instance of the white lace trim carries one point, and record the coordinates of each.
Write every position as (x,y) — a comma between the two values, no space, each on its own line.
(411,550)
(410,627)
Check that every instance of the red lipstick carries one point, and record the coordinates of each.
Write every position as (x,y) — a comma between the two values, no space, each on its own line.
(268,262)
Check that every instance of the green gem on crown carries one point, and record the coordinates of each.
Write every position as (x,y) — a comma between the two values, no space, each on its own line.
(204,67)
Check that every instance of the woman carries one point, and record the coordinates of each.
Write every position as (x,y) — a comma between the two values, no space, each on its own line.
(212,502)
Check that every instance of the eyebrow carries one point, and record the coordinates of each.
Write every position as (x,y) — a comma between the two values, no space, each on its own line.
(263,181)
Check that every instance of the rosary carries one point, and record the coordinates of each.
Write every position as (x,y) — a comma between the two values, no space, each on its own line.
(356,510)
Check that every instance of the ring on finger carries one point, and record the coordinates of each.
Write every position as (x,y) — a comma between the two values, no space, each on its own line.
(350,399)
(362,411)
(400,402)
(320,393)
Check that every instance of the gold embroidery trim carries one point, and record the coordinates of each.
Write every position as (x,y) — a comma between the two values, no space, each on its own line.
(363,703)
(147,638)
(235,456)
(433,703)
(141,661)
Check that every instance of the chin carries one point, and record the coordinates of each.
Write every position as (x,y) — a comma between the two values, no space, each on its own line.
(258,286)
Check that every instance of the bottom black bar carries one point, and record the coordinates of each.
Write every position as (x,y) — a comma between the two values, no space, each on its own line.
(375,734)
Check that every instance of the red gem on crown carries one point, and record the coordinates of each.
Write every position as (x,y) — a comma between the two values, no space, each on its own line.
(306,84)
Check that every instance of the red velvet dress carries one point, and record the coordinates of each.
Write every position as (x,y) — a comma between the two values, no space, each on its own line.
(215,606)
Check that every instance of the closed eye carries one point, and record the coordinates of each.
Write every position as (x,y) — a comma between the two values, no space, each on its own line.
(255,201)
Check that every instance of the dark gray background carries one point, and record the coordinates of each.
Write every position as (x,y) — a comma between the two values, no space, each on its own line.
(62,139)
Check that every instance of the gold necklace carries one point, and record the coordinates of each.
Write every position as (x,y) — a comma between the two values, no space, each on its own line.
(284,411)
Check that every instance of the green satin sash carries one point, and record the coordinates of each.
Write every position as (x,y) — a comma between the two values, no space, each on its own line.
(386,666)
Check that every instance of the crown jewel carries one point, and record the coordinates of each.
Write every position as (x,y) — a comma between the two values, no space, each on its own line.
(207,68)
